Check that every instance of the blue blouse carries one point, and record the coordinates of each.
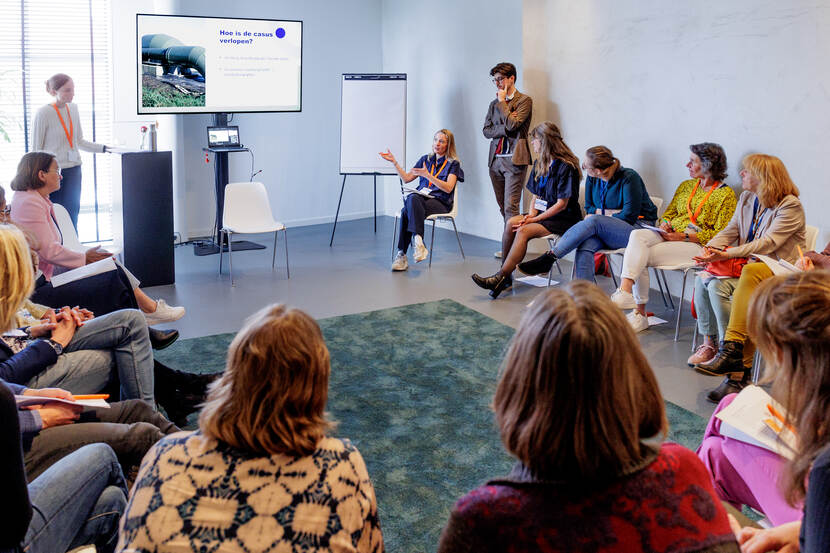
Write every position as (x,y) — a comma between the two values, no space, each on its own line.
(561,182)
(433,165)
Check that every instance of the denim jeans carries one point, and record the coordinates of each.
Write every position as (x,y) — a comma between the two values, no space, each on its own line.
(77,501)
(594,233)
(713,302)
(117,340)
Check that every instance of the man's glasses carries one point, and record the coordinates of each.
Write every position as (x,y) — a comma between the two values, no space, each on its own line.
(497,80)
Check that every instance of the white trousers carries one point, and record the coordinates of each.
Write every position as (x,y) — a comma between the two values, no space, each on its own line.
(646,248)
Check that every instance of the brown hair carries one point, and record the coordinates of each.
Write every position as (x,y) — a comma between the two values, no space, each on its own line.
(28,171)
(553,147)
(15,273)
(56,81)
(600,157)
(576,394)
(774,179)
(789,319)
(272,395)
(712,159)
(505,68)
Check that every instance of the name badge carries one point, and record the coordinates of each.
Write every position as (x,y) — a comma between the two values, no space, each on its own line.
(540,204)
(693,228)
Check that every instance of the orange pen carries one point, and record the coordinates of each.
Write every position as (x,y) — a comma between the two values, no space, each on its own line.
(91,396)
(801,255)
(780,417)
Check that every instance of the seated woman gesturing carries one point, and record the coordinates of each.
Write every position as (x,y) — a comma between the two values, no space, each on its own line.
(437,175)
(578,405)
(554,183)
(260,474)
(616,202)
(38,175)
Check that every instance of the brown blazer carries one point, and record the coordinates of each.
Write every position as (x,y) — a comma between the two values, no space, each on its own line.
(512,120)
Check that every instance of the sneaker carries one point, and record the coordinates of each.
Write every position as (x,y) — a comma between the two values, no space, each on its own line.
(637,321)
(497,254)
(702,354)
(421,252)
(400,263)
(623,300)
(164,313)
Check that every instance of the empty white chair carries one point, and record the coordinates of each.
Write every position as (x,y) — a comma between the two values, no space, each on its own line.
(70,235)
(247,210)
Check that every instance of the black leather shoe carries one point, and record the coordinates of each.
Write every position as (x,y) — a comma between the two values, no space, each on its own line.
(729,361)
(538,266)
(160,339)
(496,283)
(728,386)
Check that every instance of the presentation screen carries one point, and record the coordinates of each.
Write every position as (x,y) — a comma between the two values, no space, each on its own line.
(372,119)
(213,65)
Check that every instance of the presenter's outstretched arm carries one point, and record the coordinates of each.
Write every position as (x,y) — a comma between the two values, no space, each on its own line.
(390,157)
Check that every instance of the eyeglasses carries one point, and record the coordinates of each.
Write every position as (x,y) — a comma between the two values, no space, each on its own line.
(7,210)
(497,80)
(58,171)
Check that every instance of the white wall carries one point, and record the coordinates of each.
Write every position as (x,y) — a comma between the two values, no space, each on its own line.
(298,152)
(447,50)
(648,77)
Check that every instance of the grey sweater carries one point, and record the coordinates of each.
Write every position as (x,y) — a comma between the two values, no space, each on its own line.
(780,230)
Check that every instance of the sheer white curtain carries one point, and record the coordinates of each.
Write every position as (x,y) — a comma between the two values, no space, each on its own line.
(39,38)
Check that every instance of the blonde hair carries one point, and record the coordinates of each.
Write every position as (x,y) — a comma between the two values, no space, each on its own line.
(774,179)
(577,395)
(272,395)
(16,276)
(451,153)
(789,319)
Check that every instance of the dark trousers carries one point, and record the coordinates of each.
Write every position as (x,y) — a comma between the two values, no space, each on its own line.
(69,195)
(129,427)
(416,208)
(101,294)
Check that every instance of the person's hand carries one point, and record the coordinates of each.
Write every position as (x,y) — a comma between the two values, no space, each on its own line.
(665,226)
(59,393)
(783,539)
(420,171)
(58,414)
(673,236)
(525,220)
(41,330)
(96,254)
(501,94)
(388,156)
(65,326)
(709,255)
(807,264)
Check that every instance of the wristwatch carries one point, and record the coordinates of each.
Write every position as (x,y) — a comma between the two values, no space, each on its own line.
(55,346)
(686,236)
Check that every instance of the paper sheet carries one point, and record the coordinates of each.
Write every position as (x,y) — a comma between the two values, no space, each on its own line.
(23,401)
(777,266)
(540,281)
(423,191)
(747,413)
(656,321)
(92,269)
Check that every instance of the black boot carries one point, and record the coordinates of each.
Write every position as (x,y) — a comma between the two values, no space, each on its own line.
(184,382)
(728,386)
(496,283)
(729,361)
(538,266)
(160,339)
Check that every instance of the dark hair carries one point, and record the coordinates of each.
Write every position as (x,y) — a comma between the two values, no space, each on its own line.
(56,81)
(576,395)
(28,170)
(713,158)
(789,319)
(505,68)
(553,147)
(600,157)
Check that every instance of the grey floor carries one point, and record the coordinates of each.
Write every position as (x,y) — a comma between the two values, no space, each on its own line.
(354,276)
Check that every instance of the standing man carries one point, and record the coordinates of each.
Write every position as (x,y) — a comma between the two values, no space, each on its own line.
(506,125)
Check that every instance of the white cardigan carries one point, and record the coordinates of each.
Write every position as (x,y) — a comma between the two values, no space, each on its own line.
(48,135)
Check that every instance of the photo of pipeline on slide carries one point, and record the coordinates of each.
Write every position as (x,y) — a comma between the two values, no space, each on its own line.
(173,73)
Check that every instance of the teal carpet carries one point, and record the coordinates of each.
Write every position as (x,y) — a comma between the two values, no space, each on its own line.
(411,387)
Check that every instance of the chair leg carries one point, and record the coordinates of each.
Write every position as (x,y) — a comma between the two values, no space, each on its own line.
(431,242)
(458,238)
(230,255)
(694,338)
(611,268)
(285,239)
(660,287)
(661,273)
(274,256)
(680,305)
(756,367)
(394,237)
(221,235)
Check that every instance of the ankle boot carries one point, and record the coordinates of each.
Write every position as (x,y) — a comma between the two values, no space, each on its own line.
(728,386)
(181,381)
(729,361)
(538,266)
(496,283)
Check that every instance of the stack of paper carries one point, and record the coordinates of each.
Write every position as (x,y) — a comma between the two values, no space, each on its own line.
(749,419)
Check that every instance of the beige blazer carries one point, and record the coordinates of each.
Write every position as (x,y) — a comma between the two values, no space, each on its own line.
(510,119)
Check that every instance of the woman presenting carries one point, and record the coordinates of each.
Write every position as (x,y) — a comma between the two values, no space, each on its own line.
(57,129)
(438,174)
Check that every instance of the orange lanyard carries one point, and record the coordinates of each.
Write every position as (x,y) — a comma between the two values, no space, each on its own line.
(693,218)
(70,134)
(434,173)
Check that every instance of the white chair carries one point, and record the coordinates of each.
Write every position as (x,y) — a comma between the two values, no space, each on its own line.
(247,210)
(451,216)
(70,236)
(810,237)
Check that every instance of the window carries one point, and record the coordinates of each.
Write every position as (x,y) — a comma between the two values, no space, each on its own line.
(39,38)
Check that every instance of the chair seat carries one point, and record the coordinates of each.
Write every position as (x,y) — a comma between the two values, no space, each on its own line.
(254,229)
(679,267)
(618,251)
(439,216)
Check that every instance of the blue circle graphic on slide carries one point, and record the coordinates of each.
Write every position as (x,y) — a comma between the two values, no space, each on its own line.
(280,32)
